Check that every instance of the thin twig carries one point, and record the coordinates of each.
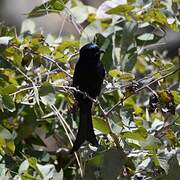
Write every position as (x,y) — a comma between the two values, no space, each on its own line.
(57,64)
(77,26)
(62,25)
(77,91)
(138,90)
(48,59)
(21,90)
(62,121)
(139,81)
(156,80)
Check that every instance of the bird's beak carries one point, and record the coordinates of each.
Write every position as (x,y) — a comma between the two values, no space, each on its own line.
(102,51)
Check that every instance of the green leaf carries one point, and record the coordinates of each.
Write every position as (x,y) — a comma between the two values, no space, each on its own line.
(32,162)
(27,176)
(46,88)
(130,59)
(7,31)
(10,147)
(176,95)
(156,16)
(61,57)
(100,124)
(113,163)
(5,134)
(51,6)
(107,56)
(174,169)
(126,76)
(44,50)
(70,45)
(92,165)
(121,75)
(15,55)
(115,73)
(151,143)
(128,37)
(58,5)
(10,89)
(139,134)
(47,94)
(8,103)
(125,8)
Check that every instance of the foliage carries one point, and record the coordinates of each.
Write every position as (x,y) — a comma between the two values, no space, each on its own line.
(136,117)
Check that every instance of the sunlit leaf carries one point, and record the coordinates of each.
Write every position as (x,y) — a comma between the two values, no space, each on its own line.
(155,15)
(165,96)
(10,147)
(171,136)
(51,6)
(32,162)
(176,96)
(14,55)
(10,89)
(120,9)
(100,124)
(139,134)
(44,50)
(121,75)
(27,176)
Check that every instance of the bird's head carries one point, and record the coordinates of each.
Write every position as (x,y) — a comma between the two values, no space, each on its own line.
(90,52)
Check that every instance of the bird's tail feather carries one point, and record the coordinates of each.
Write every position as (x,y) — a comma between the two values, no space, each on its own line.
(85,130)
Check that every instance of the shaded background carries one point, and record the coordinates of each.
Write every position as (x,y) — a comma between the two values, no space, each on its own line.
(13,13)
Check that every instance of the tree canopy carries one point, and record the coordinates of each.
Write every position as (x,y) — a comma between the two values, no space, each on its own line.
(136,117)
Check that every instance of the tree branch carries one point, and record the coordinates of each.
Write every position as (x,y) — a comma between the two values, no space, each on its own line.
(140,89)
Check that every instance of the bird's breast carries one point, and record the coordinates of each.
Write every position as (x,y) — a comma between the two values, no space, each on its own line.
(90,80)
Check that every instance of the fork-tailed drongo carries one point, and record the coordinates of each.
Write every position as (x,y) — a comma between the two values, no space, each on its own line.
(88,77)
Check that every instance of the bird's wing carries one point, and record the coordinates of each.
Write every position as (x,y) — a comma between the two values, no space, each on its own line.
(76,76)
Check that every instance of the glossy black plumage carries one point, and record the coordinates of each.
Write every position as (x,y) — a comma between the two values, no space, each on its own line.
(88,77)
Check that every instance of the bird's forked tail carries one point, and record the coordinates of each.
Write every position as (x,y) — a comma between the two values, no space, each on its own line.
(85,129)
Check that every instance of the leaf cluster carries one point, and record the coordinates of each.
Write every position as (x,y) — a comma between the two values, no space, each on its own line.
(136,117)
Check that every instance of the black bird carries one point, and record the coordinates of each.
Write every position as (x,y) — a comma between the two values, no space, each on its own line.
(88,77)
